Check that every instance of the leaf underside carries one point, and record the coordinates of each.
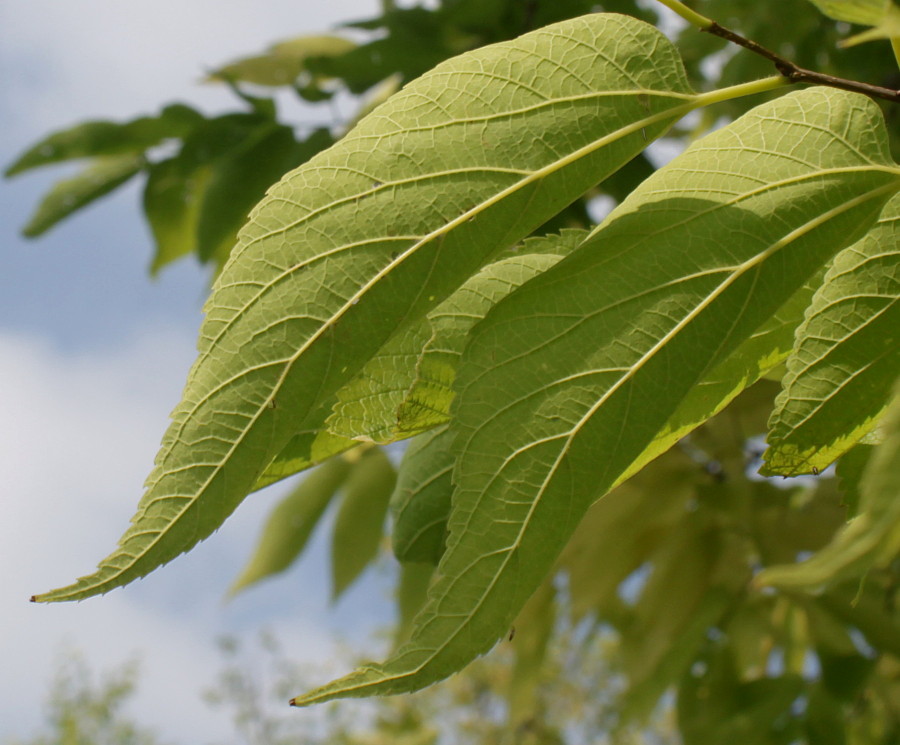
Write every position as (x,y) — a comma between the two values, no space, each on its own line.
(373,233)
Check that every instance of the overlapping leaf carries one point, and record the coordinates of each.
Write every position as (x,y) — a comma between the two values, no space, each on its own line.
(407,387)
(871,538)
(569,379)
(378,230)
(70,195)
(847,357)
(292,522)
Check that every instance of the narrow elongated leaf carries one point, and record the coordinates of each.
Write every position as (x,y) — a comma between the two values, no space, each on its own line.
(570,378)
(70,195)
(847,356)
(292,522)
(102,138)
(378,230)
(872,538)
(359,526)
(172,197)
(412,591)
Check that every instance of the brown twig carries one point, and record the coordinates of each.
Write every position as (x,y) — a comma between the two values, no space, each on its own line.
(797,74)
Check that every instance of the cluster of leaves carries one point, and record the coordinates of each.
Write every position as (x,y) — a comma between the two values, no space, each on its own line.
(84,711)
(388,288)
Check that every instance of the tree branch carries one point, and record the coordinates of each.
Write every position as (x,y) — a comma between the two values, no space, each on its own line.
(797,74)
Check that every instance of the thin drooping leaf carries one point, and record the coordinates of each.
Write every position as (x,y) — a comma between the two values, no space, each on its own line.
(376,231)
(421,500)
(530,635)
(292,522)
(872,537)
(847,356)
(101,138)
(359,525)
(570,378)
(101,177)
(283,63)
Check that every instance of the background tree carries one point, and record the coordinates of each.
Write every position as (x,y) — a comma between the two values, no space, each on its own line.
(671,560)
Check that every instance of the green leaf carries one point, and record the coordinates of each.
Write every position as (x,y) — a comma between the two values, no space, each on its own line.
(367,408)
(240,178)
(570,378)
(412,589)
(847,356)
(91,139)
(172,197)
(68,196)
(421,500)
(283,63)
(406,387)
(176,190)
(292,522)
(427,401)
(863,12)
(359,526)
(872,538)
(376,231)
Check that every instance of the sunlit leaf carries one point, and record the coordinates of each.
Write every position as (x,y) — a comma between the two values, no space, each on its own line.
(378,230)
(283,62)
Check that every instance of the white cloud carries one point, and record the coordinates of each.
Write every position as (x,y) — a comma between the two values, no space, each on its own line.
(80,433)
(65,61)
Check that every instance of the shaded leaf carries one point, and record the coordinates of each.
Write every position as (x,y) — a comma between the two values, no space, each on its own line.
(847,356)
(412,589)
(375,232)
(91,139)
(421,500)
(283,63)
(240,179)
(292,522)
(359,525)
(569,379)
(70,195)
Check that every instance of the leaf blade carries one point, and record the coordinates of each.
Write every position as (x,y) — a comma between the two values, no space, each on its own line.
(270,355)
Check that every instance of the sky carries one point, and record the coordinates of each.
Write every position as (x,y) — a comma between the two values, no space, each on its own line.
(93,356)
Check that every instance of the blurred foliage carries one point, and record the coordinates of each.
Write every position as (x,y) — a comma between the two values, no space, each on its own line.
(82,711)
(655,621)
